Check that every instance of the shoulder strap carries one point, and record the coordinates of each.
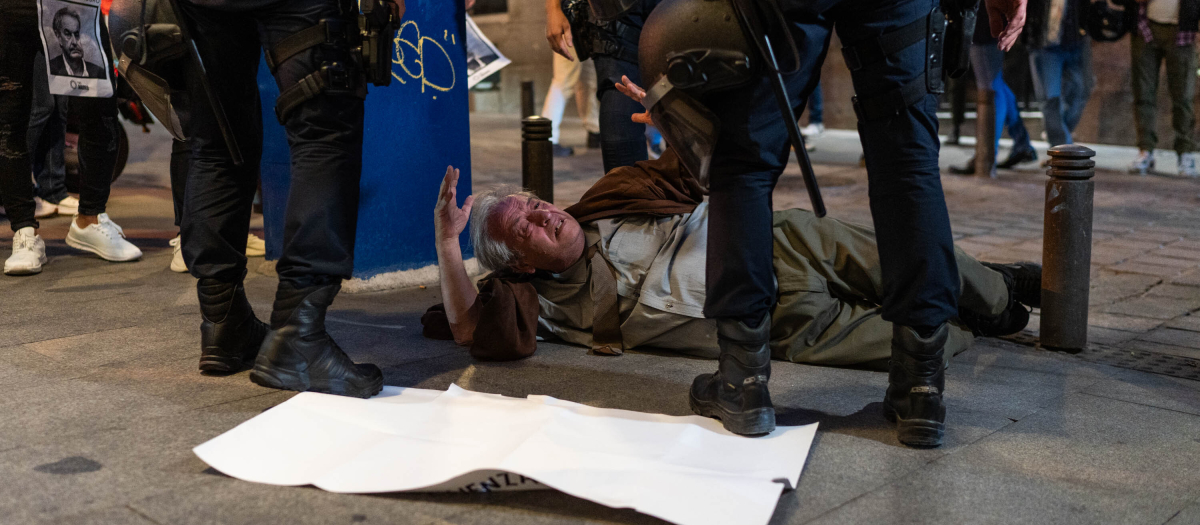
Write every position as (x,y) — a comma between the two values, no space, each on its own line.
(606,321)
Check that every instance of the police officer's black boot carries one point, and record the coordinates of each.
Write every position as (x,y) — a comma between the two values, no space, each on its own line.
(299,355)
(915,385)
(737,394)
(230,334)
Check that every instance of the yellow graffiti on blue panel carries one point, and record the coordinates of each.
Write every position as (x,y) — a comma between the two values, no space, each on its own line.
(413,54)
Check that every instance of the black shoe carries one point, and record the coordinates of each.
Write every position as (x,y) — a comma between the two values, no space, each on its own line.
(1027,281)
(916,382)
(1018,156)
(737,394)
(563,151)
(230,334)
(593,140)
(966,169)
(1013,319)
(299,355)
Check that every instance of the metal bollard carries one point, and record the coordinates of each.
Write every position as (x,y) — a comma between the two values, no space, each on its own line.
(527,99)
(1067,247)
(985,133)
(537,157)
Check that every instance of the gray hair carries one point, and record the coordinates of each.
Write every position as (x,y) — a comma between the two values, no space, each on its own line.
(493,254)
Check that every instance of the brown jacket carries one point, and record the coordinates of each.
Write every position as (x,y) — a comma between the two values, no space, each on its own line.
(508,305)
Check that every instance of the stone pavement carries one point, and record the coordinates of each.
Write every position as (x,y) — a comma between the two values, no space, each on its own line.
(102,403)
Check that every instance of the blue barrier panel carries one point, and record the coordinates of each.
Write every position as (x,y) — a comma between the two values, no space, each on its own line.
(414,129)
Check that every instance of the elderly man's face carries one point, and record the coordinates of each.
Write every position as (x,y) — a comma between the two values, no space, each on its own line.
(546,237)
(68,37)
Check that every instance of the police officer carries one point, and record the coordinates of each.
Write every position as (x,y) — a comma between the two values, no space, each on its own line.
(610,38)
(308,49)
(713,89)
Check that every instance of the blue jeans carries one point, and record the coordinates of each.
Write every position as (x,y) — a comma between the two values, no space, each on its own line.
(622,141)
(1062,77)
(816,107)
(920,276)
(988,64)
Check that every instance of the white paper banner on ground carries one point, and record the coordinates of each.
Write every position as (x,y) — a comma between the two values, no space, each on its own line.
(483,58)
(76,64)
(682,469)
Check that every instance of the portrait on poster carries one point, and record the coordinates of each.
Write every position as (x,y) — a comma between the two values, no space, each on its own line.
(76,62)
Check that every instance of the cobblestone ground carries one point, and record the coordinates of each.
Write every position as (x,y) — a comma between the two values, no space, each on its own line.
(101,403)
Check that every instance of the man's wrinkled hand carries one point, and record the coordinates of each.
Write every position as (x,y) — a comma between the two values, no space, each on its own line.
(448,219)
(558,33)
(638,94)
(1007,18)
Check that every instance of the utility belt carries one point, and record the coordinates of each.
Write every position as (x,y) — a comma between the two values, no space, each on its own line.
(946,33)
(369,44)
(592,37)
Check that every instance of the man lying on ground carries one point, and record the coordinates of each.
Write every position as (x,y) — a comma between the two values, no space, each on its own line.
(625,267)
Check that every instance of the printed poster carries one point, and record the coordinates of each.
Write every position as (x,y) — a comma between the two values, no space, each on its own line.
(76,63)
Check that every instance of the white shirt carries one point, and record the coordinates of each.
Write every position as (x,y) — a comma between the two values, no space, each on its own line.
(1163,11)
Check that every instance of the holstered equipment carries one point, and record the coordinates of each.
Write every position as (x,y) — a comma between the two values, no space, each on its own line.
(370,45)
(931,30)
(960,29)
(592,36)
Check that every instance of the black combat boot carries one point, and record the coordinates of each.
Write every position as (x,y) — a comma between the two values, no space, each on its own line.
(737,394)
(1027,281)
(1013,319)
(230,335)
(299,355)
(915,384)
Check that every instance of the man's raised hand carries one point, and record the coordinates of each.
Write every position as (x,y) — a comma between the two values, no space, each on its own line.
(448,219)
(1007,18)
(638,94)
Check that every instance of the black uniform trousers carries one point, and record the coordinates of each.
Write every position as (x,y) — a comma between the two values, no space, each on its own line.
(912,226)
(19,46)
(324,136)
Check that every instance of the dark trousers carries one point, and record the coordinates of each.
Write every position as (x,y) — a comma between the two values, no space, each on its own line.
(920,277)
(622,141)
(181,162)
(324,136)
(19,46)
(47,130)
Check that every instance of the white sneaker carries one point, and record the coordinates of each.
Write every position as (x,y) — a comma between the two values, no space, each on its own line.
(68,206)
(43,209)
(1187,165)
(104,238)
(255,246)
(28,255)
(813,129)
(177,264)
(1144,163)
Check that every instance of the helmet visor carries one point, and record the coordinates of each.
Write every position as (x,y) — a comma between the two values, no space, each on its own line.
(688,127)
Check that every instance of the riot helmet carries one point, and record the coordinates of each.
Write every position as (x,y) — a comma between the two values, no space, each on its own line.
(691,50)
(154,49)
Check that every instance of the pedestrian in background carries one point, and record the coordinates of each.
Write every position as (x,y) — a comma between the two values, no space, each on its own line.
(1166,33)
(578,79)
(995,108)
(1060,57)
